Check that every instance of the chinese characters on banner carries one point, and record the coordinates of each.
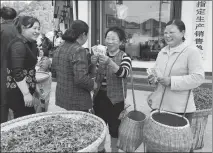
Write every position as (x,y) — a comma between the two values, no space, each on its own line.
(200,25)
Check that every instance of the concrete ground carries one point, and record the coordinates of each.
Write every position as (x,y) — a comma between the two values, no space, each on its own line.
(142,106)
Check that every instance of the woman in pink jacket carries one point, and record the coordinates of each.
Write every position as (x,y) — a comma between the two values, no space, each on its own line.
(177,74)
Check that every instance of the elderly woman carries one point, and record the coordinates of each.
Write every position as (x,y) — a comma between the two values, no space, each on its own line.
(70,63)
(176,75)
(22,58)
(112,72)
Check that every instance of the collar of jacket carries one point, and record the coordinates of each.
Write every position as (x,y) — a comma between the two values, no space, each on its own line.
(177,49)
(25,40)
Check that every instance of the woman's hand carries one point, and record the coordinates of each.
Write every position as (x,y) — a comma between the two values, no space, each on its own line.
(151,79)
(94,59)
(28,99)
(165,81)
(104,59)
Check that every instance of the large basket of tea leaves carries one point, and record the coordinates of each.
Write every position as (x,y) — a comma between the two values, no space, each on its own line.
(70,131)
(203,103)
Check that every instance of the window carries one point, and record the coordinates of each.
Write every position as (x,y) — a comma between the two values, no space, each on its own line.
(143,21)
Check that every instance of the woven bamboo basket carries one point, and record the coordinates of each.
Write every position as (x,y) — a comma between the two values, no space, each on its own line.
(167,132)
(69,114)
(131,131)
(198,126)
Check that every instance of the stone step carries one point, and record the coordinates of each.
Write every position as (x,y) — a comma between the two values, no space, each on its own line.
(141,82)
(141,87)
(147,87)
(142,79)
(143,74)
(143,70)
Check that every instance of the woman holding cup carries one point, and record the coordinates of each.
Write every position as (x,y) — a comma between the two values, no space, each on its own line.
(112,72)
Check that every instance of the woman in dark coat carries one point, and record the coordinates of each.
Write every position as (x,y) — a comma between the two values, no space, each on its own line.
(22,58)
(70,63)
(8,32)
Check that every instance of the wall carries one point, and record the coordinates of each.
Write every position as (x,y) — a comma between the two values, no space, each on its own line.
(208,61)
(188,17)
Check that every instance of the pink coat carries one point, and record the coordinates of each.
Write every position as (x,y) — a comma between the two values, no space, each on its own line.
(187,73)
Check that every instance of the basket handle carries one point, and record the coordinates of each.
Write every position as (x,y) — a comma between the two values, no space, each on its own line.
(164,91)
(132,84)
(187,102)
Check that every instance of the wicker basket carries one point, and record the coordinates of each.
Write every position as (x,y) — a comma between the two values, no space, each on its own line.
(162,135)
(198,126)
(69,114)
(130,132)
(130,135)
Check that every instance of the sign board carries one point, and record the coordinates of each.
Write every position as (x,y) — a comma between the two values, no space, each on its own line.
(200,24)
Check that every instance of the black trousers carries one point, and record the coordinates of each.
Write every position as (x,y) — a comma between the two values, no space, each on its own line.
(17,104)
(104,109)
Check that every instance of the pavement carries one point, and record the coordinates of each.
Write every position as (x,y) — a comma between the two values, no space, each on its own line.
(141,105)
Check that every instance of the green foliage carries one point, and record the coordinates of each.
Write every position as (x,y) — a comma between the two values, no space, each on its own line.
(42,10)
(202,98)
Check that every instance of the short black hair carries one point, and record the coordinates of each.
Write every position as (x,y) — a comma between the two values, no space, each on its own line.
(77,28)
(27,21)
(180,25)
(8,13)
(121,33)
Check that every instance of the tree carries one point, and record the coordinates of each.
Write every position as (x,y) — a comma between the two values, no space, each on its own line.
(42,10)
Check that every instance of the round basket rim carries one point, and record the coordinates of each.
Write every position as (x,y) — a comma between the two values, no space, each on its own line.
(204,110)
(135,120)
(167,126)
(94,144)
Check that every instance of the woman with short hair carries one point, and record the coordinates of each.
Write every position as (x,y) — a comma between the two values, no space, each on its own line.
(112,73)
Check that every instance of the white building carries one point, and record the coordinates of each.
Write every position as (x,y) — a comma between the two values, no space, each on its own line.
(143,21)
